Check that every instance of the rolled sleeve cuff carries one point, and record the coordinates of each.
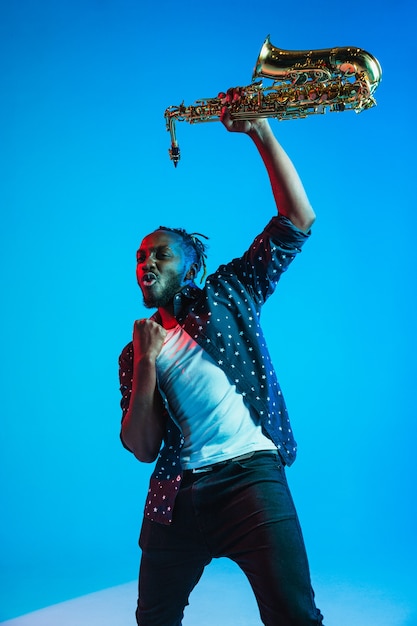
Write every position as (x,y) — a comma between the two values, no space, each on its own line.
(284,234)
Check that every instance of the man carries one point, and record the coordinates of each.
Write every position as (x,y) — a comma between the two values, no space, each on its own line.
(197,380)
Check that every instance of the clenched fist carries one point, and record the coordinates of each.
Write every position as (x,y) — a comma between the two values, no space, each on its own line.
(148,339)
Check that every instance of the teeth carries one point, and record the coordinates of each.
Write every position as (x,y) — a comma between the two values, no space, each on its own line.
(149,279)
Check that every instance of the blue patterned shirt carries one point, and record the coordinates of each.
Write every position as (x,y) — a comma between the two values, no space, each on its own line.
(224,319)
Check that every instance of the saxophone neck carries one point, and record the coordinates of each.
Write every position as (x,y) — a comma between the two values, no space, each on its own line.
(174,150)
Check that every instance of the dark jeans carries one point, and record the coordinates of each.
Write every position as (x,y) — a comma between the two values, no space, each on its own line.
(242,510)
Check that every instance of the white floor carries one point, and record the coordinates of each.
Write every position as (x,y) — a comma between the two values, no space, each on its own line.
(224,598)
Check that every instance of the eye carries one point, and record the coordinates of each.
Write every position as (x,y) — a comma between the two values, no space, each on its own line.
(140,258)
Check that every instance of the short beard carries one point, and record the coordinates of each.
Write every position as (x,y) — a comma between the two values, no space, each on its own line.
(167,296)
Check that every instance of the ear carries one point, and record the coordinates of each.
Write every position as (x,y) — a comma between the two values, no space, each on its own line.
(192,272)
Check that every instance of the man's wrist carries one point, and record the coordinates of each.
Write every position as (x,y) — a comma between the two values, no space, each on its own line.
(260,129)
(145,361)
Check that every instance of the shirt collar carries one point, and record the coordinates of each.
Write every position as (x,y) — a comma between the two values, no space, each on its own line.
(187,294)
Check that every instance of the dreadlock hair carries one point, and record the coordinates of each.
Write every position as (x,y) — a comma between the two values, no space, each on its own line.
(194,248)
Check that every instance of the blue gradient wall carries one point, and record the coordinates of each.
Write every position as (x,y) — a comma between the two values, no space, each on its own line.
(85,173)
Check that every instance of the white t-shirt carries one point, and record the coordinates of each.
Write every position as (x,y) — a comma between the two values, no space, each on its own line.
(213,416)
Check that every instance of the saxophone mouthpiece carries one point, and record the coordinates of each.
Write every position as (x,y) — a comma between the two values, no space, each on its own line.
(174,154)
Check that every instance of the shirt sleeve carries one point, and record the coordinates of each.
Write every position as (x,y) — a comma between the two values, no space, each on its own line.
(285,235)
(269,256)
(125,378)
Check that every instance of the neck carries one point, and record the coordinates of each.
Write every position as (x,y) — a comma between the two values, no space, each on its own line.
(167,318)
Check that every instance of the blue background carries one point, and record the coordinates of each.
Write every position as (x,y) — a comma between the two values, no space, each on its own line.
(85,174)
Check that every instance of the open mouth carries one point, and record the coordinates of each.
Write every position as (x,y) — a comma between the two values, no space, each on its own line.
(149,279)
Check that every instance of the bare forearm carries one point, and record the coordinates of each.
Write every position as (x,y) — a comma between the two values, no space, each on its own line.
(288,190)
(143,425)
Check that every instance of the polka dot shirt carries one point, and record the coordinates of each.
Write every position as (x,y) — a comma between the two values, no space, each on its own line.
(223,318)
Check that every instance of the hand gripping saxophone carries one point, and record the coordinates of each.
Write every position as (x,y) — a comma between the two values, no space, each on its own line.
(305,82)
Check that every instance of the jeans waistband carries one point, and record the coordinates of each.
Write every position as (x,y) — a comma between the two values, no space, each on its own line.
(220,464)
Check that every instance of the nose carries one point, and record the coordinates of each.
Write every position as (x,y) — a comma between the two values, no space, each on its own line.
(148,262)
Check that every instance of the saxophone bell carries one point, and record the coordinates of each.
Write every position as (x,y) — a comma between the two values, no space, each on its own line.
(347,62)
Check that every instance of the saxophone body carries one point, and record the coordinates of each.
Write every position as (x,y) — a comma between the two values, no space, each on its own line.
(304,82)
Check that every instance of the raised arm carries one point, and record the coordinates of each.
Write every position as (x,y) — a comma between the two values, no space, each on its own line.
(144,423)
(288,190)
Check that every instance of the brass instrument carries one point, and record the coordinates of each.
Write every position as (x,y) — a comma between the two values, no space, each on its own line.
(305,82)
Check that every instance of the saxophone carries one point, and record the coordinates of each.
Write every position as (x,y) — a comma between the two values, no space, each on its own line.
(305,82)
